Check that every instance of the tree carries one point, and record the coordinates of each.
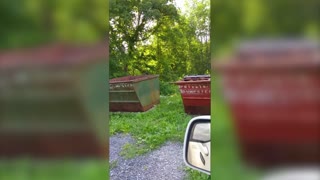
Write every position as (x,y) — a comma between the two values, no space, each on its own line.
(198,15)
(17,27)
(133,22)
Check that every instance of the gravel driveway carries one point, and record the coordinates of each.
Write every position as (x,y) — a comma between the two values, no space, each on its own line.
(163,163)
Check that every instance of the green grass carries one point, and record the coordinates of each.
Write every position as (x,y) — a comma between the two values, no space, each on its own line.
(196,175)
(27,169)
(165,122)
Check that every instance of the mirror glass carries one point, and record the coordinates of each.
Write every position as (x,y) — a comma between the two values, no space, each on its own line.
(198,152)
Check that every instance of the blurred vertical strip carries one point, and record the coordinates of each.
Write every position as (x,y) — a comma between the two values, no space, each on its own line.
(54,106)
(265,86)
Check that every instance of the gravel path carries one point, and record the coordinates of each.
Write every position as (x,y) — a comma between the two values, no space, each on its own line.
(163,163)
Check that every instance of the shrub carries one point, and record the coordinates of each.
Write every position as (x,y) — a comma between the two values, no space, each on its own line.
(168,88)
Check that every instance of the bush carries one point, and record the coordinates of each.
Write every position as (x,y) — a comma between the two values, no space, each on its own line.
(168,88)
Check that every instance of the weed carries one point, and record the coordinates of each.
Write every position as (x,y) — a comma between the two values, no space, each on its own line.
(196,175)
(113,164)
(132,150)
(168,88)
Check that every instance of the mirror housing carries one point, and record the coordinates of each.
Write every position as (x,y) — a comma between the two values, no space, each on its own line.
(197,141)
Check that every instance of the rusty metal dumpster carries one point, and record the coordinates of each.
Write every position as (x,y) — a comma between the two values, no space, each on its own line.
(273,89)
(134,93)
(195,93)
(53,102)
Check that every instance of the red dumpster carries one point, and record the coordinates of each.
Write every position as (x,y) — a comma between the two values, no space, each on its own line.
(273,89)
(195,93)
(52,101)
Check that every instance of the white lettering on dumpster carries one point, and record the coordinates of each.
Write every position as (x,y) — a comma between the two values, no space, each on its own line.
(195,89)
(281,90)
(120,86)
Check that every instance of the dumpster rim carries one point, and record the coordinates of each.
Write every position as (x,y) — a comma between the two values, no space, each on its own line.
(140,78)
(191,82)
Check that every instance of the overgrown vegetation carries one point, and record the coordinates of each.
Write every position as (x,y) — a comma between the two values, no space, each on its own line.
(168,89)
(165,122)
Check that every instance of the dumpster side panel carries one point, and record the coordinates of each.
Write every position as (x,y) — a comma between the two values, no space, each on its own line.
(43,97)
(52,121)
(134,93)
(41,102)
(277,114)
(123,97)
(93,93)
(148,92)
(195,96)
(49,145)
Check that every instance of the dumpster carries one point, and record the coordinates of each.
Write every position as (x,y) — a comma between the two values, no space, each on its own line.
(53,102)
(134,93)
(195,93)
(272,88)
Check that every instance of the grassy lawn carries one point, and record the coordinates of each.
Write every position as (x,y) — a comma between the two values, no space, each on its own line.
(165,122)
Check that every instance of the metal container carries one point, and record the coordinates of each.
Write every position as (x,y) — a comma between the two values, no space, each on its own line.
(195,93)
(134,93)
(53,102)
(273,88)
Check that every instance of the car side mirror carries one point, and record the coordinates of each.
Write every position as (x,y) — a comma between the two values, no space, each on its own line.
(197,141)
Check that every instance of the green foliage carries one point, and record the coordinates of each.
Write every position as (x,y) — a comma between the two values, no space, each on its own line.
(198,18)
(247,19)
(79,21)
(17,27)
(133,22)
(154,38)
(34,22)
(168,89)
(115,69)
(167,121)
(196,175)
